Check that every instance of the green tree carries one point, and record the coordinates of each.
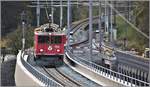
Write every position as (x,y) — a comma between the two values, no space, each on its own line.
(141,13)
(14,39)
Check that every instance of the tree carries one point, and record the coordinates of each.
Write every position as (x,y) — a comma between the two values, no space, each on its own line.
(14,39)
(141,13)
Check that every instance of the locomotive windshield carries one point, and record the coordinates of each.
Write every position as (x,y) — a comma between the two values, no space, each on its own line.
(43,39)
(56,39)
(50,39)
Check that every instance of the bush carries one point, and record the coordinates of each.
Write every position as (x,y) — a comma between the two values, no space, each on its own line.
(14,39)
(134,38)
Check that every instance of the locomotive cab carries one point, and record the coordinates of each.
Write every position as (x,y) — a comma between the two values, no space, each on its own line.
(49,46)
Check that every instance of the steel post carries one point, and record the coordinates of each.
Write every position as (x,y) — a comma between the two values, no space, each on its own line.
(23,34)
(52,11)
(100,30)
(90,27)
(114,13)
(105,17)
(38,13)
(111,26)
(23,19)
(61,13)
(68,21)
(149,47)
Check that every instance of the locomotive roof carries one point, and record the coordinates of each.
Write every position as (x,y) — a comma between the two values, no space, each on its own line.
(49,33)
(42,29)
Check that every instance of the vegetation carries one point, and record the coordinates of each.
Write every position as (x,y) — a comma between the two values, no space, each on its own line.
(134,38)
(12,35)
(14,39)
(11,12)
(142,16)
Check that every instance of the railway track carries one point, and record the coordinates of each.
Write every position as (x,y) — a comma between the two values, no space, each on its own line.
(133,60)
(61,78)
(77,26)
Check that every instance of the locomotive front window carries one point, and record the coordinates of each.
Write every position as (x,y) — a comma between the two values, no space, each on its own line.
(56,39)
(43,39)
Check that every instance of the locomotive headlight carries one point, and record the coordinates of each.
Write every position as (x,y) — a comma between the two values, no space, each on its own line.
(58,50)
(41,50)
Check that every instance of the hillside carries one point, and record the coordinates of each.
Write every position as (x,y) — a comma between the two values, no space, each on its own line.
(10,12)
(11,22)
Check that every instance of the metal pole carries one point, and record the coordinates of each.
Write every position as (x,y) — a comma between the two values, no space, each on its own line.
(100,30)
(111,26)
(114,14)
(68,21)
(23,27)
(126,30)
(61,13)
(105,17)
(149,47)
(90,27)
(38,13)
(23,39)
(52,11)
(109,21)
(129,6)
(78,10)
(77,3)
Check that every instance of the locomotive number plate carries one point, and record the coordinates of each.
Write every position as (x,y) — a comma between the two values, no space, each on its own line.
(50,48)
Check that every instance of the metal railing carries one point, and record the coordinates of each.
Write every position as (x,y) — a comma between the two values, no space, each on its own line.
(40,76)
(108,73)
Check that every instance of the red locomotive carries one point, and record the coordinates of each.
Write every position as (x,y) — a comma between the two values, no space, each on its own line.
(49,43)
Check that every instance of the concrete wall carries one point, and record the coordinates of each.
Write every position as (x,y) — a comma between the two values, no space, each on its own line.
(23,77)
(91,74)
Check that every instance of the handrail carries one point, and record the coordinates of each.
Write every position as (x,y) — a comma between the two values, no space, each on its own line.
(40,76)
(119,77)
(110,74)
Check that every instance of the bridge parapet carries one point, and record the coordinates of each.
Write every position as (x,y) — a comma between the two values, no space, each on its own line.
(27,75)
(102,75)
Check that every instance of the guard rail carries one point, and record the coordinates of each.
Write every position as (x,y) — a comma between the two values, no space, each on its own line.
(40,76)
(108,73)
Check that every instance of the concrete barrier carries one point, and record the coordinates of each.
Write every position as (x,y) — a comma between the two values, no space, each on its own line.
(102,80)
(23,77)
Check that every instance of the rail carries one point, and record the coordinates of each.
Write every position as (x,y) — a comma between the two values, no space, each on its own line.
(116,76)
(61,78)
(37,74)
(108,73)
(41,77)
